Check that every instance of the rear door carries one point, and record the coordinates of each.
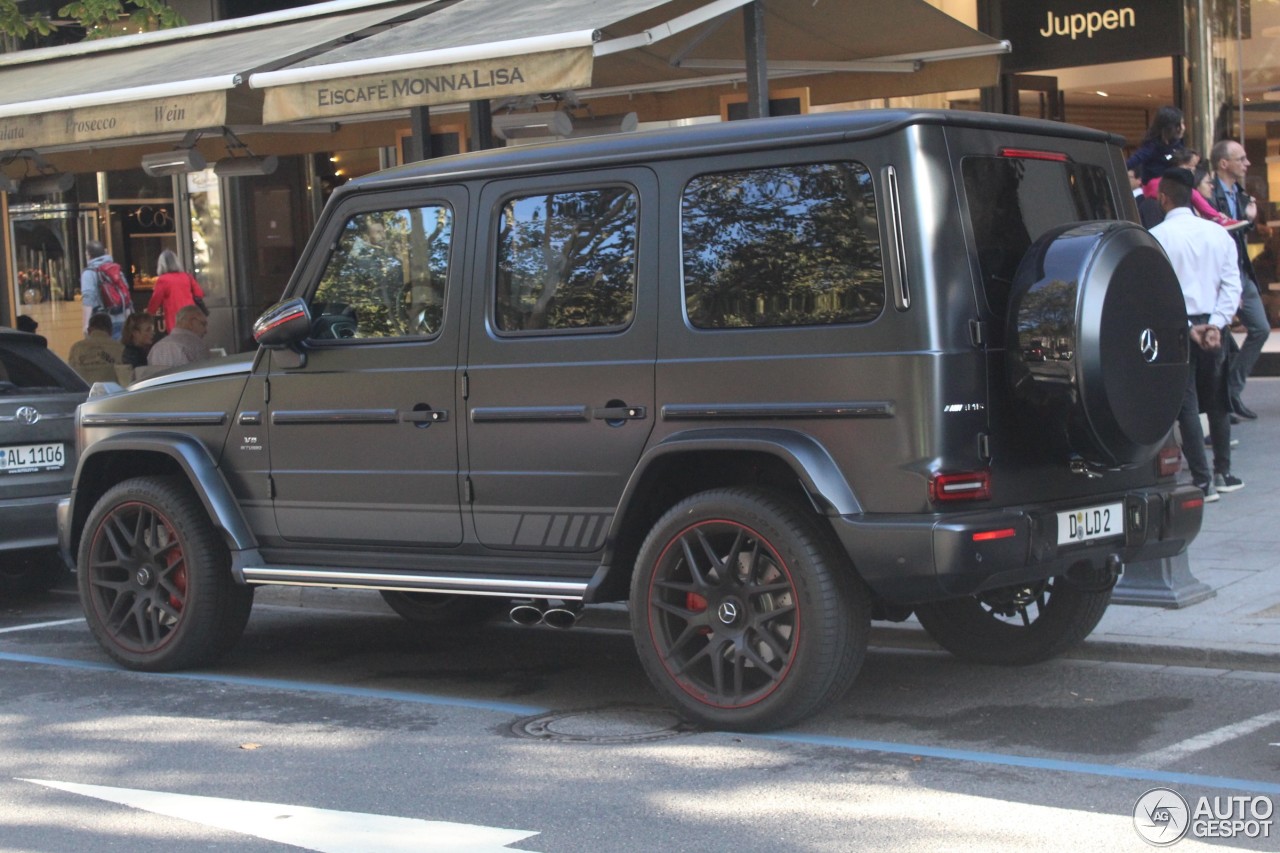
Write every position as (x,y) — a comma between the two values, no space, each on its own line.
(560,359)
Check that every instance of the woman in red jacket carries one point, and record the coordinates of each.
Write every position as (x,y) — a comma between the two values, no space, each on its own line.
(174,290)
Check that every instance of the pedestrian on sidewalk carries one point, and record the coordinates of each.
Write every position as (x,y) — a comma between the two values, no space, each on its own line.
(1204,259)
(1231,165)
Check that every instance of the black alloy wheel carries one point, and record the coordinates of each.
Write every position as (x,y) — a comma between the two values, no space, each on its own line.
(744,613)
(1016,625)
(155,580)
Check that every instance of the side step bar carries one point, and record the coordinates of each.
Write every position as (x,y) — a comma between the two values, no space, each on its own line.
(504,587)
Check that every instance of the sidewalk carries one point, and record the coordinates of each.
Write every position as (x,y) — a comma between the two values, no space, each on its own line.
(1237,554)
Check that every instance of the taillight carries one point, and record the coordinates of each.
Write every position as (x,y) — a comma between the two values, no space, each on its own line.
(1031,154)
(992,535)
(1170,461)
(946,486)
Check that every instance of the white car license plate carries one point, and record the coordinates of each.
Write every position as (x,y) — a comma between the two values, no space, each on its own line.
(1090,523)
(22,458)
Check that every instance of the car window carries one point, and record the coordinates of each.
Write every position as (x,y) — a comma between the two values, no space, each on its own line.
(29,368)
(567,261)
(782,246)
(1013,200)
(386,276)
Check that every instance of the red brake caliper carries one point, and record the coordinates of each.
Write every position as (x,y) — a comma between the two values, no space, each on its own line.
(696,603)
(179,581)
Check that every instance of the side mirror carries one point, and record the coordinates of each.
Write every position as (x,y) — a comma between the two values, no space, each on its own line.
(284,325)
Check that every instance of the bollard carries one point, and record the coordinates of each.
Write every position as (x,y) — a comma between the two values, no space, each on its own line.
(1166,582)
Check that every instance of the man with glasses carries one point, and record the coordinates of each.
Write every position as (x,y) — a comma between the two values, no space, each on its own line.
(1231,165)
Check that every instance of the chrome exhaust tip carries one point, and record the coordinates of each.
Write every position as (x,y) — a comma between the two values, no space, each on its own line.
(526,614)
(564,617)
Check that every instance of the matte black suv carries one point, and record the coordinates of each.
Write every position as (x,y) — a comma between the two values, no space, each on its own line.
(767,380)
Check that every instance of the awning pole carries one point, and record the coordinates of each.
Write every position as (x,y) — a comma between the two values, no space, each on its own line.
(757,65)
(481,126)
(419,134)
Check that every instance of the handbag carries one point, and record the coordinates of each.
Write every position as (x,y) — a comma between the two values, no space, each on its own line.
(199,303)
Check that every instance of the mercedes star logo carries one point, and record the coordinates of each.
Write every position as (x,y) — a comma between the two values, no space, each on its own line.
(27,415)
(1148,345)
(728,611)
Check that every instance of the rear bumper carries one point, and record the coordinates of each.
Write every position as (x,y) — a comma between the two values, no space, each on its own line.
(913,558)
(28,523)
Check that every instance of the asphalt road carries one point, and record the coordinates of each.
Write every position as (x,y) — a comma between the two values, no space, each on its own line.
(342,730)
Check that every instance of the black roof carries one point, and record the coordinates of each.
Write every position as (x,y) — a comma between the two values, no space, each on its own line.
(699,139)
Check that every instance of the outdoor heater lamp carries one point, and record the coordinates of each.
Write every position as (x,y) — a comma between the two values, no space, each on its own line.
(51,184)
(532,125)
(175,162)
(247,166)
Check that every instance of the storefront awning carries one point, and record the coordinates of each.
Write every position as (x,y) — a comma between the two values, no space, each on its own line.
(170,81)
(488,49)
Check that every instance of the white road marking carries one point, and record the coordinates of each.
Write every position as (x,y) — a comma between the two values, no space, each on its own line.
(1208,740)
(35,625)
(322,830)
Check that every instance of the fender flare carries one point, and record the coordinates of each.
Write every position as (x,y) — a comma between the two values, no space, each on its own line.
(201,473)
(813,466)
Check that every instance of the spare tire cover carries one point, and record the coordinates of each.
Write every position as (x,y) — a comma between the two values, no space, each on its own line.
(1097,343)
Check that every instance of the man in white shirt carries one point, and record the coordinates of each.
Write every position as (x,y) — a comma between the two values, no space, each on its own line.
(183,345)
(1203,256)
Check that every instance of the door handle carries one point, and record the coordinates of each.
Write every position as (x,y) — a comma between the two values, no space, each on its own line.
(424,416)
(619,413)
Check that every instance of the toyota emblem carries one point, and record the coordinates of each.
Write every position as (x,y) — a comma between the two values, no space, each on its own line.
(27,415)
(1148,345)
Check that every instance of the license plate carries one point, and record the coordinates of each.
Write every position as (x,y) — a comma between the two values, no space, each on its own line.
(1090,524)
(23,458)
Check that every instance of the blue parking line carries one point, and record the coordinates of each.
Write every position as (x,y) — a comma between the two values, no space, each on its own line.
(1000,759)
(295,686)
(991,758)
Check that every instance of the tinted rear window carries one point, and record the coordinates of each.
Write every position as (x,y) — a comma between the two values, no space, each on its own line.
(28,368)
(1012,201)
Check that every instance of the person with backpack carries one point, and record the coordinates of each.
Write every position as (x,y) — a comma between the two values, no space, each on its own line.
(104,289)
(175,289)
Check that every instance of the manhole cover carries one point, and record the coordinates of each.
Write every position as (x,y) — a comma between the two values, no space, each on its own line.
(604,725)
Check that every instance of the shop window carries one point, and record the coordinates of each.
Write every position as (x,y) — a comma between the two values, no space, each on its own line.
(782,246)
(387,276)
(567,261)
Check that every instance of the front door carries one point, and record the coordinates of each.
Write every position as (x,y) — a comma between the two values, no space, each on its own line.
(560,358)
(363,436)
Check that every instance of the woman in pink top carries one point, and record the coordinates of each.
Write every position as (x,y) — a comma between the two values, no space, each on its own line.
(175,289)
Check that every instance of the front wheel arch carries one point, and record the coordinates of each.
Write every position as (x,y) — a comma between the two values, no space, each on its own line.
(123,456)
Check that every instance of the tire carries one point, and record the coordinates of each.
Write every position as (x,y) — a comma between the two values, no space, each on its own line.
(765,645)
(27,572)
(155,578)
(1014,626)
(1103,294)
(443,609)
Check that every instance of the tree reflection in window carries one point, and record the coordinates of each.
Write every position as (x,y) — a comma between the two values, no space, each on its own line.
(567,261)
(387,276)
(1014,200)
(784,246)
